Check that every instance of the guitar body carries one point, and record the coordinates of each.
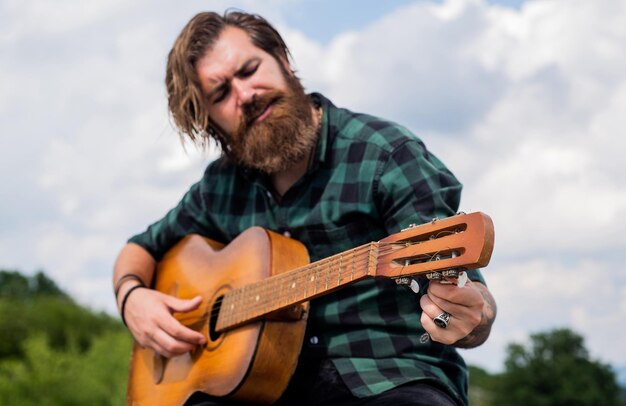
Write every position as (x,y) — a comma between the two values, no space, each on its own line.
(251,363)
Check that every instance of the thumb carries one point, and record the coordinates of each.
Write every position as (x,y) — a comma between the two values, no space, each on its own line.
(183,305)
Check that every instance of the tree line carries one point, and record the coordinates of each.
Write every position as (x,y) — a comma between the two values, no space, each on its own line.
(55,352)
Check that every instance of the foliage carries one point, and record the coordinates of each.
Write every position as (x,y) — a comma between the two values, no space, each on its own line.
(67,377)
(17,286)
(481,386)
(555,370)
(31,306)
(54,351)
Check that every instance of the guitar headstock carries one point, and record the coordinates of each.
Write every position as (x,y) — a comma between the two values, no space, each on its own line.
(460,242)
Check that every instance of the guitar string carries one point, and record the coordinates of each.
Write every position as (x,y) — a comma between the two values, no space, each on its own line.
(294,285)
(298,272)
(251,308)
(246,306)
(303,272)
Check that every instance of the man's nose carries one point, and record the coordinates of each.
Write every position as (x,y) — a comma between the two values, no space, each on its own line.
(245,92)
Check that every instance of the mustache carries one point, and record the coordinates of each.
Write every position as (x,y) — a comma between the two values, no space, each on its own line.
(253,109)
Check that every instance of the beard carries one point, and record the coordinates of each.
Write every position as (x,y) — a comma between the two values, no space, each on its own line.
(283,138)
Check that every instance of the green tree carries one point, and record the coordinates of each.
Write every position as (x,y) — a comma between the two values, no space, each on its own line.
(54,351)
(555,369)
(481,386)
(35,305)
(45,376)
(17,286)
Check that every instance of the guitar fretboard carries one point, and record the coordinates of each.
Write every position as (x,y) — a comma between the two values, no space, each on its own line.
(287,289)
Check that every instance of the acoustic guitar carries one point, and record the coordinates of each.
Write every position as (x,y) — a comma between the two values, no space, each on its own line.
(255,294)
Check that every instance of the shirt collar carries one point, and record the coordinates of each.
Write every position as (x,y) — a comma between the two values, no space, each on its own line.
(324,136)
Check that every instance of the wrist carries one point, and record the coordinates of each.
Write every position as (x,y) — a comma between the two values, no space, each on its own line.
(126,278)
(124,300)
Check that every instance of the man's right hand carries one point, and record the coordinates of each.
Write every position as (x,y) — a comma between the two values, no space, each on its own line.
(148,315)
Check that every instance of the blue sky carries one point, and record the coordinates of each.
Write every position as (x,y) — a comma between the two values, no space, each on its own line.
(523,101)
(323,19)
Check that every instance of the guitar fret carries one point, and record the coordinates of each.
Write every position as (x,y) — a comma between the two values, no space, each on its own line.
(273,303)
(340,268)
(352,274)
(246,303)
(280,291)
(306,277)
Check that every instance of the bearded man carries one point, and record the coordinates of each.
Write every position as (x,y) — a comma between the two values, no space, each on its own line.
(329,178)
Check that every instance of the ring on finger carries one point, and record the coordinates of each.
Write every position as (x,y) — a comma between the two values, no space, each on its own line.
(442,320)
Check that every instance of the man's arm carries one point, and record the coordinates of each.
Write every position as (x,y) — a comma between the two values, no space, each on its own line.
(136,261)
(148,313)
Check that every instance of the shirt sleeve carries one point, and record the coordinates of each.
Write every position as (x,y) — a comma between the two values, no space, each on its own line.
(414,187)
(188,217)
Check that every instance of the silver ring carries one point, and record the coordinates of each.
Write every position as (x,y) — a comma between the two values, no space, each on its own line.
(442,320)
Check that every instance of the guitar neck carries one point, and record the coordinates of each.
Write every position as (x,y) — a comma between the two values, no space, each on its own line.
(256,300)
(460,242)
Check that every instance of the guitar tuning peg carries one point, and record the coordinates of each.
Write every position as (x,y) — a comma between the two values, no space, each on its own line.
(410,282)
(403,280)
(445,277)
(462,279)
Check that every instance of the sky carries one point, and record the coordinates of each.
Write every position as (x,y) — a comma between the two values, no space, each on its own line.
(524,101)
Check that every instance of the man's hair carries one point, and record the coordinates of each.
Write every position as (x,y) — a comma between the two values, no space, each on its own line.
(186,101)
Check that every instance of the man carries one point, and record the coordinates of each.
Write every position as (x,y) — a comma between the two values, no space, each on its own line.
(328,177)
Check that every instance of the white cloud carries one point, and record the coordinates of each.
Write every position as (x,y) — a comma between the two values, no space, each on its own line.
(537,295)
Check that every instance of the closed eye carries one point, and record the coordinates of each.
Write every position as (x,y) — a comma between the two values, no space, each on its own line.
(248,69)
(220,93)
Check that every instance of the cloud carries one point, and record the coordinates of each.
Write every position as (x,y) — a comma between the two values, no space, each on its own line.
(411,66)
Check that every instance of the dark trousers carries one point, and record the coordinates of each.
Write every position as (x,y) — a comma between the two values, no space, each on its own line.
(320,384)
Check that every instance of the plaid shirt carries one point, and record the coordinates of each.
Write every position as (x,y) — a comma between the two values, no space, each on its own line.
(369,178)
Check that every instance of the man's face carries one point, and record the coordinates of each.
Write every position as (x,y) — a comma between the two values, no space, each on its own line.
(256,104)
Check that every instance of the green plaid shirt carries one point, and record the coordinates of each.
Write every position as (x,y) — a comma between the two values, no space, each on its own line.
(369,178)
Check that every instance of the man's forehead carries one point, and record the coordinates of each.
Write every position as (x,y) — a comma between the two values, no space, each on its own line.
(232,48)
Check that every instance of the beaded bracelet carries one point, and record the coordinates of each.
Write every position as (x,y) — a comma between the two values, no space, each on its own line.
(120,281)
(123,307)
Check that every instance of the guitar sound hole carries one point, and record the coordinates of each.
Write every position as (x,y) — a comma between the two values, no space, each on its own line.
(215,311)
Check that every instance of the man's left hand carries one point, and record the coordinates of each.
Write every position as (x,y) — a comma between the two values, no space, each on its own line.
(471,310)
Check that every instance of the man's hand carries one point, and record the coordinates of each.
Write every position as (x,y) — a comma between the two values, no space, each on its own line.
(472,311)
(148,315)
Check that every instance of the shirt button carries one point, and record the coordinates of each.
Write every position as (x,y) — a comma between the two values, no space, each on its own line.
(287,234)
(314,340)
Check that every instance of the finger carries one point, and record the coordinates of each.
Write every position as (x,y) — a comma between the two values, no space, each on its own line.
(174,328)
(432,308)
(466,296)
(168,346)
(180,332)
(182,305)
(442,335)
